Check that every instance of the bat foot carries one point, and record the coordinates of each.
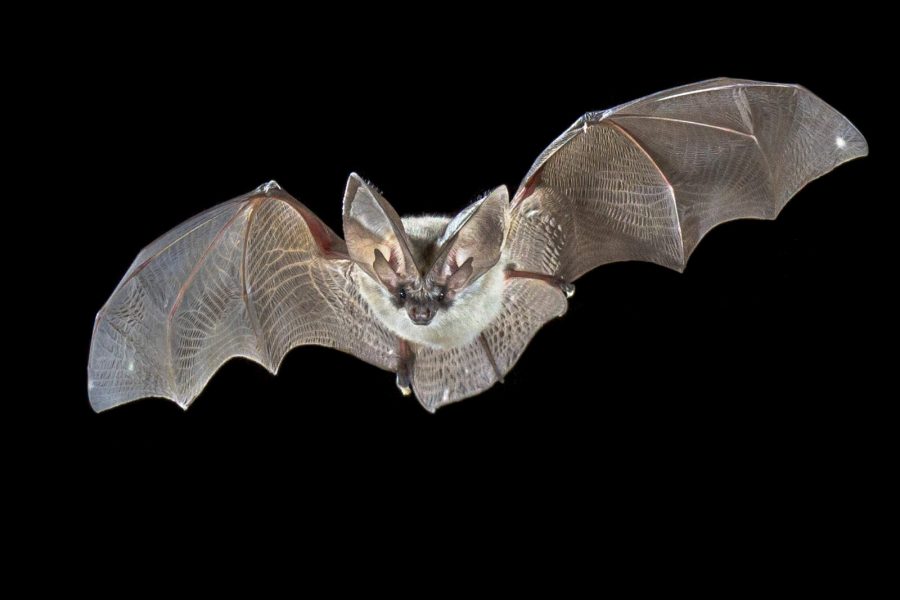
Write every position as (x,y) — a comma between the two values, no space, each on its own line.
(404,368)
(403,384)
(568,289)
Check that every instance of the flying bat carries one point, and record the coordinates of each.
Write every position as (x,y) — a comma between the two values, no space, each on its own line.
(449,303)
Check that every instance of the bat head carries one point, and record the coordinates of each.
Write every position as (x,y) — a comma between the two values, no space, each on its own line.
(376,240)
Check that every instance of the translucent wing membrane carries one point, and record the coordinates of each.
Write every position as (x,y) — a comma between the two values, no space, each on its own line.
(253,277)
(648,179)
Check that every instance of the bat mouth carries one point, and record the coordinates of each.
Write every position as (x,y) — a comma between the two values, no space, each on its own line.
(421,315)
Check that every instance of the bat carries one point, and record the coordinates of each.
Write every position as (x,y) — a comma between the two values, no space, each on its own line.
(449,303)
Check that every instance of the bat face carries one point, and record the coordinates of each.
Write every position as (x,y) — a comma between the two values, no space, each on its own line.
(421,296)
(452,322)
(450,303)
(422,300)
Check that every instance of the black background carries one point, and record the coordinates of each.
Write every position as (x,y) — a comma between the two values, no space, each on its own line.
(731,399)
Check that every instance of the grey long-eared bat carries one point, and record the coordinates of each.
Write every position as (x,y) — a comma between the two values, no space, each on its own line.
(450,303)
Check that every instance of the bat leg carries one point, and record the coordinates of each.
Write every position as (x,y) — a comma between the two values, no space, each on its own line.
(567,288)
(404,369)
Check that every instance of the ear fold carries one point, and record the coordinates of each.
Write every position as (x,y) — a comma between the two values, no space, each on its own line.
(473,241)
(374,234)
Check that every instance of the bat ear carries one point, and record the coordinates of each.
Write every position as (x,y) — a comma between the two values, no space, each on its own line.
(473,241)
(375,237)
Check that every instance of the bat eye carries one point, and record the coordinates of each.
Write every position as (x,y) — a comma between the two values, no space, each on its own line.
(442,295)
(402,293)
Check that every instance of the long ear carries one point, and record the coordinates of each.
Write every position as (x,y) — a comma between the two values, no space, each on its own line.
(374,234)
(474,240)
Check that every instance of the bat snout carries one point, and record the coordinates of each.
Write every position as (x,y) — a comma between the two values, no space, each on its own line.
(420,315)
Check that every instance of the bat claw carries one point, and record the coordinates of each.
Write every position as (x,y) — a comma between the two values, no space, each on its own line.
(266,187)
(568,289)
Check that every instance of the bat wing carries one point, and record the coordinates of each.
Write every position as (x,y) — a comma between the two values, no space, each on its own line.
(643,181)
(253,277)
(648,179)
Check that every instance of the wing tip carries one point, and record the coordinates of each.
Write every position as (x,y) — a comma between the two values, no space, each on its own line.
(862,144)
(99,402)
(852,145)
(103,402)
(97,406)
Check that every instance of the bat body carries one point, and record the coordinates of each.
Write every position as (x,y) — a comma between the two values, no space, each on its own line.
(450,303)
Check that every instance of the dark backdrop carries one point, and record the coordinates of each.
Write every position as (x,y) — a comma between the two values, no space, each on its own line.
(736,388)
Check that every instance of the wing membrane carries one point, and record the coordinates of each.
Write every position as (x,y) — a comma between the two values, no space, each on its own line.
(253,277)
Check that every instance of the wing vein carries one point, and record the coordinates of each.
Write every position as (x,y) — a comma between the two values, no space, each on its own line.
(762,154)
(179,298)
(640,147)
(721,87)
(160,252)
(261,344)
(686,122)
(490,357)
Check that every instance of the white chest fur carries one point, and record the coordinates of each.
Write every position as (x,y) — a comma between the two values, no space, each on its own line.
(472,311)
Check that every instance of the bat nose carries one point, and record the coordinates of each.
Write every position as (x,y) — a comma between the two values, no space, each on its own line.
(421,315)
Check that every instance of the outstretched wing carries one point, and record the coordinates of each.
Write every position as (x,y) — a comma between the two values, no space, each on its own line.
(648,179)
(253,277)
